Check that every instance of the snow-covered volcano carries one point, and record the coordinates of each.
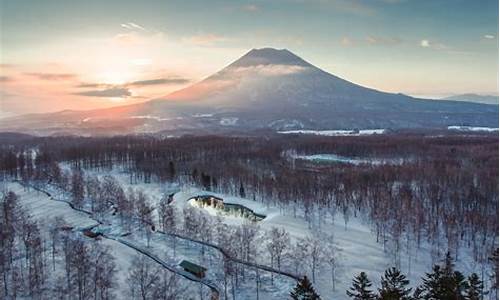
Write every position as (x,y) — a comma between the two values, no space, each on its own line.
(276,88)
(270,88)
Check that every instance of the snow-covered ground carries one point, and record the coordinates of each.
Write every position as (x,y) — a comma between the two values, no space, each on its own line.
(355,242)
(356,246)
(472,128)
(45,210)
(230,121)
(336,132)
(348,160)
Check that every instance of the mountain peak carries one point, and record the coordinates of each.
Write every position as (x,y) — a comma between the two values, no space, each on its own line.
(269,56)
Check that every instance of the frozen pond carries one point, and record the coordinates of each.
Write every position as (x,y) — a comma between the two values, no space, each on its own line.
(336,132)
(471,128)
(334,158)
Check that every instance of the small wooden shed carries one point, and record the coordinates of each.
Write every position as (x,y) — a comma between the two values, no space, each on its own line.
(193,268)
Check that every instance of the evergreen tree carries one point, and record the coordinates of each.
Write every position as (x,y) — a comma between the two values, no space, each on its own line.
(474,288)
(360,288)
(452,283)
(304,291)
(171,170)
(444,283)
(431,288)
(493,259)
(242,190)
(394,286)
(459,286)
(418,294)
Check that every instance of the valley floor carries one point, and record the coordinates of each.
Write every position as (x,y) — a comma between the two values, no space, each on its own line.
(355,246)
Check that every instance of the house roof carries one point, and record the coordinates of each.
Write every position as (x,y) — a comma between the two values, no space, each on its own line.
(207,196)
(192,266)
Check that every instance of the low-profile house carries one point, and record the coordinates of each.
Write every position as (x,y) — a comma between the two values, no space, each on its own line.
(210,200)
(243,211)
(193,268)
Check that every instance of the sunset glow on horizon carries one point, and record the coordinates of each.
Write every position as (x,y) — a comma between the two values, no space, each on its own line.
(58,55)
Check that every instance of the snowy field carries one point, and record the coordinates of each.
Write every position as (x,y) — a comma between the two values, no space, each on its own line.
(336,132)
(355,242)
(44,210)
(474,129)
(356,248)
(348,160)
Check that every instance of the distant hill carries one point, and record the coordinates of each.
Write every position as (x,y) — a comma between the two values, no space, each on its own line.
(264,89)
(487,99)
(10,137)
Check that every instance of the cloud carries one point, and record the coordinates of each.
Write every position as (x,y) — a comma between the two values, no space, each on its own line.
(204,39)
(7,66)
(52,76)
(91,85)
(370,41)
(489,36)
(347,42)
(138,83)
(434,45)
(5,78)
(373,40)
(113,92)
(352,7)
(133,26)
(126,39)
(250,7)
(268,70)
(163,81)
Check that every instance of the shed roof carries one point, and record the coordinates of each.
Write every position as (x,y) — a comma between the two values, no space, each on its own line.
(192,266)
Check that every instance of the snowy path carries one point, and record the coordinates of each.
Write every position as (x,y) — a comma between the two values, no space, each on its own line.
(233,259)
(187,275)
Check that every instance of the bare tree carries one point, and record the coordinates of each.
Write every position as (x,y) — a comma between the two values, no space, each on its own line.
(93,190)
(103,270)
(77,188)
(55,228)
(169,287)
(144,214)
(331,258)
(143,278)
(279,241)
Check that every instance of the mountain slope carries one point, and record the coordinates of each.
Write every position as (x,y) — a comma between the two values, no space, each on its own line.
(269,88)
(486,99)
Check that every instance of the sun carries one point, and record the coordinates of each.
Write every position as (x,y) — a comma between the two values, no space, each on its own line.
(113,77)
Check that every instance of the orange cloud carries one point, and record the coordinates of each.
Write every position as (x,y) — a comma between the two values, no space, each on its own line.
(52,76)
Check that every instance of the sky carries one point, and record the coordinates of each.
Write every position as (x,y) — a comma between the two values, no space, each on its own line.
(75,54)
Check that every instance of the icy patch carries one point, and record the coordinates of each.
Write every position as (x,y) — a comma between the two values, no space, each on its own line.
(336,132)
(286,124)
(151,118)
(228,121)
(472,128)
(203,115)
(349,160)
